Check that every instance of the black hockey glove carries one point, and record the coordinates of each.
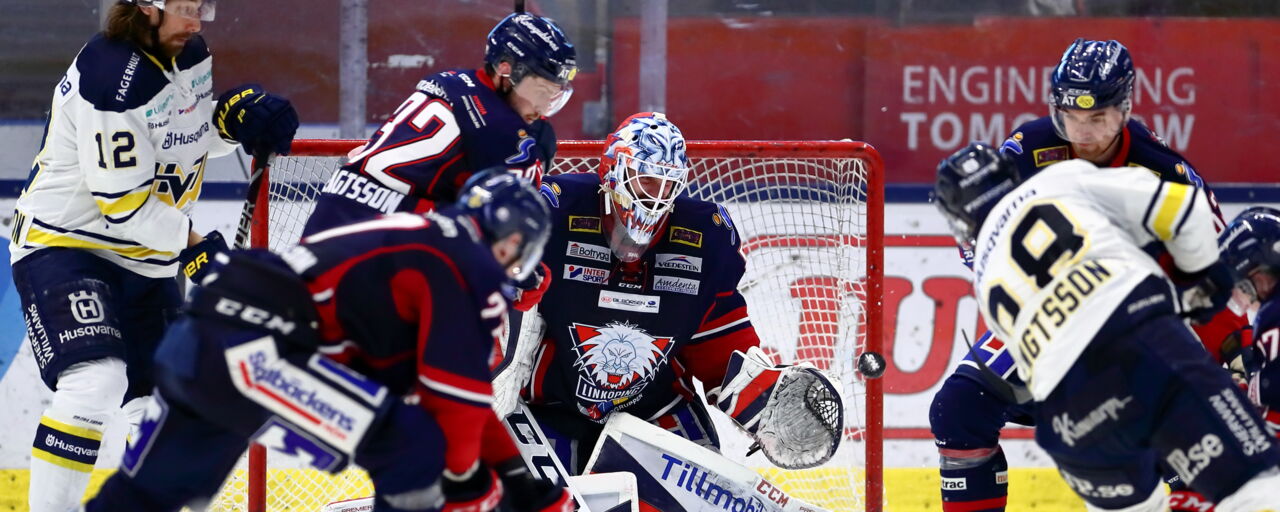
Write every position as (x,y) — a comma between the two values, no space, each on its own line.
(1204,293)
(478,490)
(262,123)
(197,259)
(525,492)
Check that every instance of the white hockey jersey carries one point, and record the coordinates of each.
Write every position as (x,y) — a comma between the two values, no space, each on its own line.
(1059,254)
(123,157)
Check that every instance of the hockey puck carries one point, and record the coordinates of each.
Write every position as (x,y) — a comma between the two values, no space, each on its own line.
(871,365)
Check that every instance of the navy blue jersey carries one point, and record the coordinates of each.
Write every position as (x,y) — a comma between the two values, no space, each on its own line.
(629,336)
(454,124)
(1036,145)
(413,302)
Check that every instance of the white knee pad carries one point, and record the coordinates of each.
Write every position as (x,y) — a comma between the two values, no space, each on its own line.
(92,388)
(1262,492)
(1157,502)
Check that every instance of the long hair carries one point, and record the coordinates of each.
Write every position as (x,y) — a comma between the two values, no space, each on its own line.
(127,22)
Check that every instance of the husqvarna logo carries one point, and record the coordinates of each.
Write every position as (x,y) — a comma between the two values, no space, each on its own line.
(86,307)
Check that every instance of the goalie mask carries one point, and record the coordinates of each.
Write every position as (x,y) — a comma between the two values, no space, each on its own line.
(643,169)
(203,10)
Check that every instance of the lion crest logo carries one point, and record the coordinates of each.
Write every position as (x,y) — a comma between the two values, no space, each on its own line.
(616,357)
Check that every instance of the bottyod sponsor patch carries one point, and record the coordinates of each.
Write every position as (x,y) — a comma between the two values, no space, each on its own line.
(677,262)
(629,301)
(675,284)
(686,236)
(586,274)
(589,251)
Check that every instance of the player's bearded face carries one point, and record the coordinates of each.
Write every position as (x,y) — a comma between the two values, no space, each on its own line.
(1091,132)
(180,22)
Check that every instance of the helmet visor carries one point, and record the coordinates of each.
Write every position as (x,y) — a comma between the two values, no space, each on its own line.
(1089,127)
(530,256)
(546,96)
(203,10)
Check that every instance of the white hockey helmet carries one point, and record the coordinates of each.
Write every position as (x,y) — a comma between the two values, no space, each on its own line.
(643,169)
(203,10)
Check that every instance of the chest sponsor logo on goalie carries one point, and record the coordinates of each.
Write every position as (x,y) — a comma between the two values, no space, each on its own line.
(629,302)
(589,251)
(678,262)
(586,274)
(615,363)
(676,285)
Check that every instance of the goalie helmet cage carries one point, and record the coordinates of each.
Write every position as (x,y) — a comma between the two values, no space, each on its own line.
(811,218)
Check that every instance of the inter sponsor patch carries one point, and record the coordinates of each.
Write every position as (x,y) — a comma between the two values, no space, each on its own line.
(675,284)
(685,236)
(586,274)
(677,262)
(584,224)
(1046,156)
(589,251)
(629,301)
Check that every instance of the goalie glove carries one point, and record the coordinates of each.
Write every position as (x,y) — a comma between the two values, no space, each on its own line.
(794,412)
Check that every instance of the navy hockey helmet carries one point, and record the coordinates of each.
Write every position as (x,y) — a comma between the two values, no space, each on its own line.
(1251,243)
(969,184)
(503,205)
(532,44)
(1092,75)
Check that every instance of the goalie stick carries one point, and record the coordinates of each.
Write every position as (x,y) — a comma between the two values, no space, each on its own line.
(537,452)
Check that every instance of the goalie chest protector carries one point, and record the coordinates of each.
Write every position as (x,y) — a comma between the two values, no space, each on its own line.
(611,343)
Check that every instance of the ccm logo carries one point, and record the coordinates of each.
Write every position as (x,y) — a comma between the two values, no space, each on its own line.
(252,315)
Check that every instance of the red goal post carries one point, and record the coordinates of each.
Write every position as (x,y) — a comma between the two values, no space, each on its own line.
(811,218)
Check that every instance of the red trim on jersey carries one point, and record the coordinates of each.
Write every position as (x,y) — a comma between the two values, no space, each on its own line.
(737,314)
(1122,156)
(458,422)
(967,454)
(709,360)
(484,79)
(976,505)
(440,172)
(409,289)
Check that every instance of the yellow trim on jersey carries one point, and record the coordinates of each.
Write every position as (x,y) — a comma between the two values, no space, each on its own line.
(40,237)
(156,61)
(38,162)
(86,433)
(124,204)
(1168,207)
(59,461)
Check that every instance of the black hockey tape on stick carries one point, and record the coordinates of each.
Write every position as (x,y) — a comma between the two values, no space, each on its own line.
(519,6)
(261,162)
(1002,388)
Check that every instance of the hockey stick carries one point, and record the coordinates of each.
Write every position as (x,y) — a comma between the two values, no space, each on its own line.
(261,162)
(537,452)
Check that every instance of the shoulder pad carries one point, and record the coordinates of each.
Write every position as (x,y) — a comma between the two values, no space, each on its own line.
(1035,144)
(450,84)
(693,220)
(116,77)
(1148,150)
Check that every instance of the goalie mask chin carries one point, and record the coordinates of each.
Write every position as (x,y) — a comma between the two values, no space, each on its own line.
(794,412)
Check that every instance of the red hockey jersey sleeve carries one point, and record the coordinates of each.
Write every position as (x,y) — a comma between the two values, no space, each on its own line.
(725,326)
(454,353)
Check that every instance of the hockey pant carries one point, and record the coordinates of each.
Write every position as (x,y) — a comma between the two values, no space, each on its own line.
(1145,396)
(219,387)
(966,417)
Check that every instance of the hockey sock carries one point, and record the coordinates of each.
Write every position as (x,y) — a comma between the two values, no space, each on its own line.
(974,480)
(70,433)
